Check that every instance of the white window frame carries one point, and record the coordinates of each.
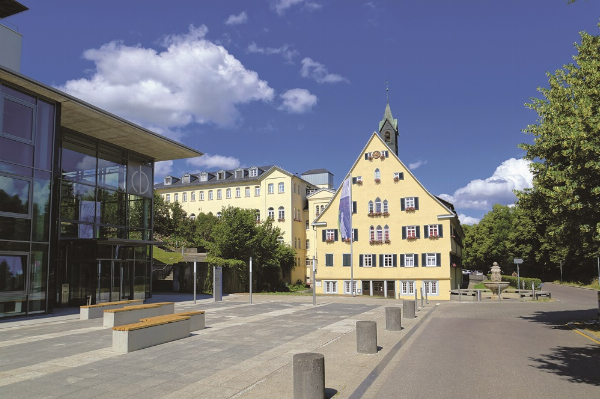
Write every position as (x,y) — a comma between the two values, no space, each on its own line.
(175,197)
(193,195)
(210,195)
(281,212)
(407,287)
(253,172)
(433,230)
(431,287)
(378,205)
(247,191)
(386,233)
(204,176)
(385,208)
(347,287)
(219,194)
(431,260)
(168,198)
(388,260)
(271,187)
(409,202)
(367,260)
(281,188)
(227,193)
(329,235)
(379,232)
(184,197)
(257,191)
(201,195)
(409,258)
(330,286)
(271,213)
(377,174)
(308,262)
(411,231)
(238,192)
(307,244)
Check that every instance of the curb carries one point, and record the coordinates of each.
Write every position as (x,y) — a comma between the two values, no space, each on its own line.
(584,333)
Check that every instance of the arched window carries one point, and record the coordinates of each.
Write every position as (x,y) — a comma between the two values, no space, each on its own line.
(271,213)
(377,205)
(219,194)
(370,206)
(228,193)
(322,208)
(281,213)
(387,137)
(386,232)
(379,233)
(317,211)
(210,195)
(385,206)
(372,232)
(192,217)
(377,174)
(219,215)
(257,213)
(281,187)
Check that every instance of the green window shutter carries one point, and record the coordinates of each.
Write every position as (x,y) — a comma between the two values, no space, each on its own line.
(355,235)
(440,230)
(425,231)
(401,175)
(380,260)
(394,260)
(402,204)
(418,231)
(335,235)
(360,261)
(374,260)
(404,232)
(438,259)
(401,260)
(416,257)
(417,203)
(366,155)
(354,206)
(424,260)
(324,235)
(354,180)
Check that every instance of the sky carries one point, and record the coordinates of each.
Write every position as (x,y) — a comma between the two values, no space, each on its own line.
(302,84)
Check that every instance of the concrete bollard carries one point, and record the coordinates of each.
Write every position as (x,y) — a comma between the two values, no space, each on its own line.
(309,376)
(408,309)
(392,319)
(366,337)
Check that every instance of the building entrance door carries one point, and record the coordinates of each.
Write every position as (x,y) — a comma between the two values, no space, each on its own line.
(378,288)
(114,281)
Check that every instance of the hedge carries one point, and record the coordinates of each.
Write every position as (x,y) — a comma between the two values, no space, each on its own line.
(513,281)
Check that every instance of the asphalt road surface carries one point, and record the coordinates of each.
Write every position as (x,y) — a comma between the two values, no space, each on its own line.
(500,350)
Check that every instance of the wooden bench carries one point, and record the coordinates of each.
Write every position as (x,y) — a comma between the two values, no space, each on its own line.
(131,337)
(96,311)
(538,294)
(197,319)
(132,314)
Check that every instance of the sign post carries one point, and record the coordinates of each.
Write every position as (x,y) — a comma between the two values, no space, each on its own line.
(251,280)
(195,280)
(218,284)
(314,282)
(518,262)
(561,271)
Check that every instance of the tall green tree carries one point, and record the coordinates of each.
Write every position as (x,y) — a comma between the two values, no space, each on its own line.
(566,155)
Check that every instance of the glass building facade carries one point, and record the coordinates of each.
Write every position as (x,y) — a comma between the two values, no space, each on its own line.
(75,212)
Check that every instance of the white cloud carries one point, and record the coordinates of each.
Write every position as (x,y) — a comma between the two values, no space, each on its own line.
(214,161)
(237,19)
(317,71)
(284,51)
(192,80)
(415,165)
(512,174)
(464,219)
(281,6)
(161,169)
(298,101)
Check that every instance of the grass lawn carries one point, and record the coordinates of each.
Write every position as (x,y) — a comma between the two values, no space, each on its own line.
(593,284)
(165,256)
(591,326)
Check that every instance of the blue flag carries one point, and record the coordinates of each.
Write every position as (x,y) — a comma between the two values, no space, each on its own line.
(345,220)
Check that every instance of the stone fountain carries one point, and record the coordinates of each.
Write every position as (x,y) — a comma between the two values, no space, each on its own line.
(496,285)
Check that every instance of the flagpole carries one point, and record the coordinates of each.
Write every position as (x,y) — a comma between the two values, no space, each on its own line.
(351,241)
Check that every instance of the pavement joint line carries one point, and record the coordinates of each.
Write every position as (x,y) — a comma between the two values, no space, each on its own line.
(585,334)
(26,340)
(366,384)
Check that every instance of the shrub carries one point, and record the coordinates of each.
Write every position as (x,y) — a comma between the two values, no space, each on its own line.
(528,281)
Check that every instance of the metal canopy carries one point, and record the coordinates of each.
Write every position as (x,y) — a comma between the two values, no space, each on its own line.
(11,7)
(95,122)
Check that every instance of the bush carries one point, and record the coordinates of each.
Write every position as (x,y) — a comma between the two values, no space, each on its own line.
(528,281)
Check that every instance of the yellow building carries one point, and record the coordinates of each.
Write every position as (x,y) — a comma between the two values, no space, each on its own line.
(405,238)
(270,190)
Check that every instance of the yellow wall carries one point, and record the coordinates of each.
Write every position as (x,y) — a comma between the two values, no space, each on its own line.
(430,211)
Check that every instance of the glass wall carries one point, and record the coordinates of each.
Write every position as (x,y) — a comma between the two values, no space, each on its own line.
(27,126)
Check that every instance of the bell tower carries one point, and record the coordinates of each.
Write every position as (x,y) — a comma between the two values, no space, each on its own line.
(388,128)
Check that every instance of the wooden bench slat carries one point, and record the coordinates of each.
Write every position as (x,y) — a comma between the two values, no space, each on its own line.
(99,305)
(134,307)
(146,324)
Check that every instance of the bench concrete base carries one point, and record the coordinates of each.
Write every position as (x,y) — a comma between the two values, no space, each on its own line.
(97,311)
(132,340)
(120,318)
(197,322)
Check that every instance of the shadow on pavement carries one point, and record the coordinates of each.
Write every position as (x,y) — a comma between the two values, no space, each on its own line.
(557,319)
(579,365)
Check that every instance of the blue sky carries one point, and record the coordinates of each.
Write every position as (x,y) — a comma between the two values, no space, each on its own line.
(302,83)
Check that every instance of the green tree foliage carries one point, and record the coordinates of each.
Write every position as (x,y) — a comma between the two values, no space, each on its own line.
(566,157)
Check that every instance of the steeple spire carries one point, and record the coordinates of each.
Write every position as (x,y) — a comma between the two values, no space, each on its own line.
(388,126)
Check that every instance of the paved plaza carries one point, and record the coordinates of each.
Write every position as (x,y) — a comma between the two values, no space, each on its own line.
(448,350)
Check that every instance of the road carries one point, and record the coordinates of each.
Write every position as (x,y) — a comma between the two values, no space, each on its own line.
(499,350)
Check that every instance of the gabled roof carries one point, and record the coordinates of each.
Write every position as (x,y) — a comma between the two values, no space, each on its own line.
(445,204)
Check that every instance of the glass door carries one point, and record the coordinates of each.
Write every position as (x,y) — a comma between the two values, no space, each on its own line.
(125,271)
(104,281)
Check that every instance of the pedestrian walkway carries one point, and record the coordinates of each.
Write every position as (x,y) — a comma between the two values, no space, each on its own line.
(246,350)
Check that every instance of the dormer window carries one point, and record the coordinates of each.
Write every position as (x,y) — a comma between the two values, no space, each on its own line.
(253,172)
(239,173)
(185,179)
(204,176)
(168,180)
(221,175)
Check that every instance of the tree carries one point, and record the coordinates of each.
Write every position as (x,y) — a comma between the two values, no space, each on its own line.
(566,155)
